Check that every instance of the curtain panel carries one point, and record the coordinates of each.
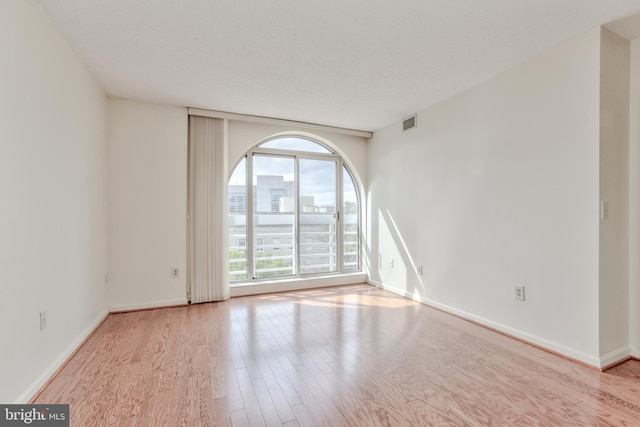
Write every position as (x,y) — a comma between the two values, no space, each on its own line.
(208,235)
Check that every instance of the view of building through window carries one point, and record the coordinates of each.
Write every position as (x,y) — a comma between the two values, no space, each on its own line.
(294,226)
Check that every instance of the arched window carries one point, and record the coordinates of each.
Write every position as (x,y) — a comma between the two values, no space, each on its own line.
(304,215)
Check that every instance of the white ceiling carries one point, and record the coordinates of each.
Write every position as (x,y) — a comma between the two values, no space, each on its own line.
(628,27)
(359,64)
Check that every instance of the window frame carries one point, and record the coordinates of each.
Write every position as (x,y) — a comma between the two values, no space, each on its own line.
(296,155)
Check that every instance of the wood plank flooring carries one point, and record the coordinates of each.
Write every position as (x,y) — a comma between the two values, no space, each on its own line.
(344,356)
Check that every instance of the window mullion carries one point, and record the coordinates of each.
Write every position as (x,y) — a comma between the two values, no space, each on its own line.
(250,231)
(296,192)
(340,219)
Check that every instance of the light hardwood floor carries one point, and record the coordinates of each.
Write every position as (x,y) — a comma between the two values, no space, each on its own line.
(344,356)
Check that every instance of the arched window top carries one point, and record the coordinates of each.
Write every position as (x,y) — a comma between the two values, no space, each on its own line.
(296,143)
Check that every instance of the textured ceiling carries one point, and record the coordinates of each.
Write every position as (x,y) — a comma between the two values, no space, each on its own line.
(360,64)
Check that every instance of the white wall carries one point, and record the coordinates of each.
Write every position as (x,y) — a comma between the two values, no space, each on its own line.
(148,194)
(634,200)
(53,220)
(498,186)
(614,190)
(147,204)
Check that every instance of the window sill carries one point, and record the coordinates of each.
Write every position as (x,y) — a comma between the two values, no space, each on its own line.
(239,289)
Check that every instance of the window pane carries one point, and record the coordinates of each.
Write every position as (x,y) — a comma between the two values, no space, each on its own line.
(350,222)
(318,243)
(296,144)
(274,216)
(237,190)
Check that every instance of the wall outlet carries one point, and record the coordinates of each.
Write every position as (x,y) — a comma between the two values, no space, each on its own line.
(43,320)
(518,292)
(420,270)
(391,263)
(106,280)
(175,272)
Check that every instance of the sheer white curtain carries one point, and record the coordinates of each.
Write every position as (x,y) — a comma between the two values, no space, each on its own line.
(208,234)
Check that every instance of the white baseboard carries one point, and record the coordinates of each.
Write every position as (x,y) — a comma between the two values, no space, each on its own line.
(297,284)
(635,352)
(147,305)
(516,333)
(62,358)
(615,357)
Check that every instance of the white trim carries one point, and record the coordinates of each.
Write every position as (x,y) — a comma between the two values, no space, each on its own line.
(273,121)
(60,360)
(147,305)
(634,352)
(533,339)
(296,284)
(615,356)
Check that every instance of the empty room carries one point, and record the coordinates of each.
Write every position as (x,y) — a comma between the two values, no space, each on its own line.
(336,213)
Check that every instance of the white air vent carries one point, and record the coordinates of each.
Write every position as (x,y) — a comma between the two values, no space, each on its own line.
(409,123)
